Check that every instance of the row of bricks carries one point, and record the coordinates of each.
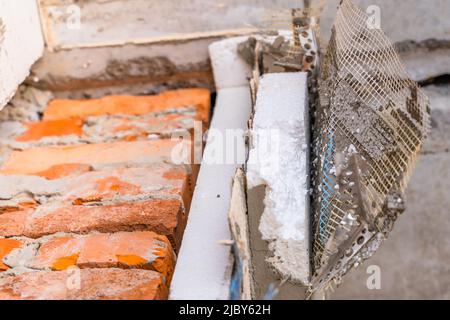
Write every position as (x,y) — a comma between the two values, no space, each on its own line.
(110,118)
(94,129)
(128,250)
(85,284)
(114,205)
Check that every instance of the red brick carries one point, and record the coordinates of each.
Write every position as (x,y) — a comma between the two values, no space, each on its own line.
(38,160)
(112,186)
(128,250)
(160,180)
(13,223)
(137,128)
(132,105)
(39,130)
(64,170)
(6,246)
(85,284)
(165,217)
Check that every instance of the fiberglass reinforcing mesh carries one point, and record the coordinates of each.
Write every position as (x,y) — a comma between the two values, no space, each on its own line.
(370,125)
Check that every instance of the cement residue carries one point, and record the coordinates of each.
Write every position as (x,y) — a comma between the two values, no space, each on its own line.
(27,105)
(22,257)
(12,187)
(140,67)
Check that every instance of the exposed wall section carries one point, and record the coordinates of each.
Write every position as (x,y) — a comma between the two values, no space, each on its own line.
(21,44)
(104,193)
(279,160)
(71,23)
(150,66)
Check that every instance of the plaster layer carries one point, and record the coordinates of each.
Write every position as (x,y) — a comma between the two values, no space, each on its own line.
(278,160)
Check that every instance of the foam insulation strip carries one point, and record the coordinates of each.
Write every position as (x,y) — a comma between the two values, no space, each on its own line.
(204,263)
(279,159)
(21,44)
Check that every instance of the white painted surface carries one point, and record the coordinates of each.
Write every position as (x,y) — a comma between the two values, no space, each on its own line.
(278,160)
(21,44)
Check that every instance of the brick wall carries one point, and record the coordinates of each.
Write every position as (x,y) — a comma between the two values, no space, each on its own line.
(92,205)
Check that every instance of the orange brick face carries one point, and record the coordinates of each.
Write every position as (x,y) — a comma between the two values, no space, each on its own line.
(64,170)
(114,184)
(54,128)
(127,250)
(164,216)
(38,160)
(67,109)
(104,215)
(85,284)
(13,223)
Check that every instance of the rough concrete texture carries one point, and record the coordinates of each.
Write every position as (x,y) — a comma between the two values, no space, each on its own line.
(27,105)
(415,260)
(423,63)
(159,66)
(267,282)
(136,57)
(128,21)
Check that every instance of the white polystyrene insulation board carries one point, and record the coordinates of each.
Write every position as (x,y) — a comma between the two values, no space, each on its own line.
(279,159)
(21,44)
(204,264)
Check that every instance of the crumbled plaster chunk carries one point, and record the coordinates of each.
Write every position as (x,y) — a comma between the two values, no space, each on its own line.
(278,159)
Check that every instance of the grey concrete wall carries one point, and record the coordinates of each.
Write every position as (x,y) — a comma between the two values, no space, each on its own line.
(415,259)
(164,43)
(125,21)
(131,21)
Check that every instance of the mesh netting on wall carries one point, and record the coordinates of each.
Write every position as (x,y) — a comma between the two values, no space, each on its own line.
(370,125)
